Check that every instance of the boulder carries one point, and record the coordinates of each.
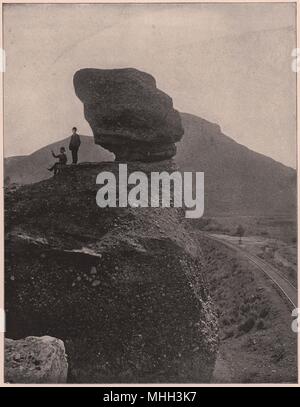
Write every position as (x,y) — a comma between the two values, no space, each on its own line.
(129,116)
(35,360)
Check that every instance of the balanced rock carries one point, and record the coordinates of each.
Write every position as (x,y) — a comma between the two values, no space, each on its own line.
(35,360)
(129,116)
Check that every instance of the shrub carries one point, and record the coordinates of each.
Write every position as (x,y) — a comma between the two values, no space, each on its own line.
(264,312)
(260,325)
(247,325)
(245,308)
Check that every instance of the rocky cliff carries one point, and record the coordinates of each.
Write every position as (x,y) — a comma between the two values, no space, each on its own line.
(123,287)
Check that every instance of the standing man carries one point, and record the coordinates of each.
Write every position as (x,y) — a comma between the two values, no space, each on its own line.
(74,145)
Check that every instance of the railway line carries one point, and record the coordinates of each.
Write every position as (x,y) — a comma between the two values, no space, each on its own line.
(282,283)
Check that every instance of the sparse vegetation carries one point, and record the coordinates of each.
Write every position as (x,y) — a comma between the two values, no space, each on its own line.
(255,334)
(247,325)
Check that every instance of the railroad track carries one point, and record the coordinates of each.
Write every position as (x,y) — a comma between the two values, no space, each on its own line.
(282,283)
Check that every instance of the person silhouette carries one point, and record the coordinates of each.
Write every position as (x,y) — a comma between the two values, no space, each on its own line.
(62,160)
(74,145)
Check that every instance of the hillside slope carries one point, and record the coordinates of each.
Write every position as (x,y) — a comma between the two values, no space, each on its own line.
(237,179)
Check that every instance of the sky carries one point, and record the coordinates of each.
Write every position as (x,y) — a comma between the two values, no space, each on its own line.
(227,63)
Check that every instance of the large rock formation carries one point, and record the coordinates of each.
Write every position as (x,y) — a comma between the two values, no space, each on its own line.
(123,287)
(129,116)
(35,360)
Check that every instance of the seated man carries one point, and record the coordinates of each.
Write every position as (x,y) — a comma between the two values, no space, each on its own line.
(62,160)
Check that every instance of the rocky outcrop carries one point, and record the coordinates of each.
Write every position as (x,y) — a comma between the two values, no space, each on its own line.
(129,116)
(123,287)
(35,360)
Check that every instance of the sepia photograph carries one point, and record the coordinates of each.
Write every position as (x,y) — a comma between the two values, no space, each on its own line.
(150,193)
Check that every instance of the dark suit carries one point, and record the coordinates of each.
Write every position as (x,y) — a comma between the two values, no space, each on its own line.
(74,147)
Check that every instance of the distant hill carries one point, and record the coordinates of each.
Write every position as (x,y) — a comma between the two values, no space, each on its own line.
(33,168)
(237,179)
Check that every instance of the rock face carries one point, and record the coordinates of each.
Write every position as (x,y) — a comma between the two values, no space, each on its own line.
(129,116)
(35,360)
(123,287)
